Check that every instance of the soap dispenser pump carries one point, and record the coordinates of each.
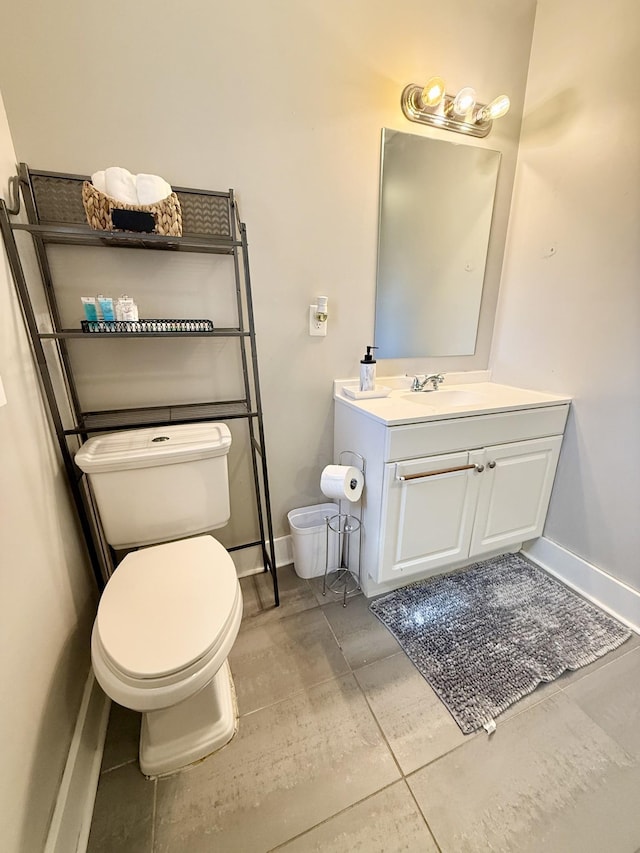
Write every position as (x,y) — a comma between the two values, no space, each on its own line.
(368,371)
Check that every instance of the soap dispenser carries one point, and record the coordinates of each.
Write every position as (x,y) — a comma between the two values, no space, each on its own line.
(368,371)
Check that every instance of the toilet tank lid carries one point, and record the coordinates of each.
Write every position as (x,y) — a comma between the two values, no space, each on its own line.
(142,448)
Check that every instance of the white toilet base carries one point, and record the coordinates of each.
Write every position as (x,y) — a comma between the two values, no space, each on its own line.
(172,738)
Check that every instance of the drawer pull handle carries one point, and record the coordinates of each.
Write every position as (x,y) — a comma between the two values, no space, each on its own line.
(491,465)
(404,477)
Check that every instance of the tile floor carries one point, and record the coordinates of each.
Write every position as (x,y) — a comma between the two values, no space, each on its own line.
(342,746)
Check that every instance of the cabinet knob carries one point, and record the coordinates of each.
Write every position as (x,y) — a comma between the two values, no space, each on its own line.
(479,468)
(492,464)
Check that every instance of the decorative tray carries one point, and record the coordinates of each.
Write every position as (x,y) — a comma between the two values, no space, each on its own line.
(148,326)
(356,394)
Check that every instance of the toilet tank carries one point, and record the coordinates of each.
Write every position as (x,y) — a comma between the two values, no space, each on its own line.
(154,485)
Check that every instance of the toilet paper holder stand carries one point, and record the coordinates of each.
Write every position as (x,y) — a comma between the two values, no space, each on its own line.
(344,579)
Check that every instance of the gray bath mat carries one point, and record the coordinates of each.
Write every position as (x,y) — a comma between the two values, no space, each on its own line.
(488,635)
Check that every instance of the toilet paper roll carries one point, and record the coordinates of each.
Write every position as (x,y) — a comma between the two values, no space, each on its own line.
(342,481)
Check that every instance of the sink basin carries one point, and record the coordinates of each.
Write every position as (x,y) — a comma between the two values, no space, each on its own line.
(444,397)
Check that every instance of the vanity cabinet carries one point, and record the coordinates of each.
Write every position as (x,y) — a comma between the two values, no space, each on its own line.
(444,492)
(442,509)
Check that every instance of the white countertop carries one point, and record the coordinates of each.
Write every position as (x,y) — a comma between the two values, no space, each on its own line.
(451,400)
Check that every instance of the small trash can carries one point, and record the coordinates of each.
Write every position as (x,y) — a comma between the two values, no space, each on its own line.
(309,539)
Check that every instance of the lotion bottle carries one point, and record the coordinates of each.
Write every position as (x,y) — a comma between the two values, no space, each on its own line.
(368,371)
(105,304)
(90,308)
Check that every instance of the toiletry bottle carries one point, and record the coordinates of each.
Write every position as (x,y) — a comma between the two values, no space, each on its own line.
(106,307)
(368,371)
(90,308)
(117,307)
(126,309)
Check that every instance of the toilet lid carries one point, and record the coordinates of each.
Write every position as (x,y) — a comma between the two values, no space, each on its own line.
(166,606)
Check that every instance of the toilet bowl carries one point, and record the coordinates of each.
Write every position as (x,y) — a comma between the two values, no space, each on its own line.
(166,622)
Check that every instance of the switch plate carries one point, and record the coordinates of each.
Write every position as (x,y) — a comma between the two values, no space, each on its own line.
(316,327)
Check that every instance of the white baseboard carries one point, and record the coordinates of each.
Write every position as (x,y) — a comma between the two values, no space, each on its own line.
(612,595)
(248,561)
(71,821)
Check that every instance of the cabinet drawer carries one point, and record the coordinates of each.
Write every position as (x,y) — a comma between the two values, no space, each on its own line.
(451,435)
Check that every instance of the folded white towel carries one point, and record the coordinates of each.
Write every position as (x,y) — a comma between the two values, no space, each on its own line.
(151,188)
(99,181)
(121,184)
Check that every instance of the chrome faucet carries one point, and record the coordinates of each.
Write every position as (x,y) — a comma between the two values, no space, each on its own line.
(420,380)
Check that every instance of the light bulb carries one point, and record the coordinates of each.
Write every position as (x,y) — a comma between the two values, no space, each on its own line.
(464,101)
(495,109)
(433,92)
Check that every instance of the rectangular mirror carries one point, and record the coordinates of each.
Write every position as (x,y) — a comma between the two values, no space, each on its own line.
(436,205)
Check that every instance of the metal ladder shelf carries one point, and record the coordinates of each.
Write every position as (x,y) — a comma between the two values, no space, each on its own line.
(211,225)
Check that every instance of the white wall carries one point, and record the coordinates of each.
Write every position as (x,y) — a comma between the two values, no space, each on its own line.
(569,316)
(283,101)
(47,597)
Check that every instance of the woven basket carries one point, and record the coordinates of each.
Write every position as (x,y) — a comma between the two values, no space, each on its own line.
(98,206)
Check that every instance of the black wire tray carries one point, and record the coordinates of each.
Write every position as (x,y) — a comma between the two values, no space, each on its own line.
(149,326)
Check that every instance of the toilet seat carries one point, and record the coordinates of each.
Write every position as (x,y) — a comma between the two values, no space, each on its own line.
(165,608)
(166,622)
(179,675)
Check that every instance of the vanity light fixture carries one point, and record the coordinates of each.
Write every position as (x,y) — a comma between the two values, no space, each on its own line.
(461,113)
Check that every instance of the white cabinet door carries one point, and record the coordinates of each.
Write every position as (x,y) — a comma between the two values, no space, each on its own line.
(514,493)
(426,518)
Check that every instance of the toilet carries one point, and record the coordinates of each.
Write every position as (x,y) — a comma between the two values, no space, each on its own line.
(170,613)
